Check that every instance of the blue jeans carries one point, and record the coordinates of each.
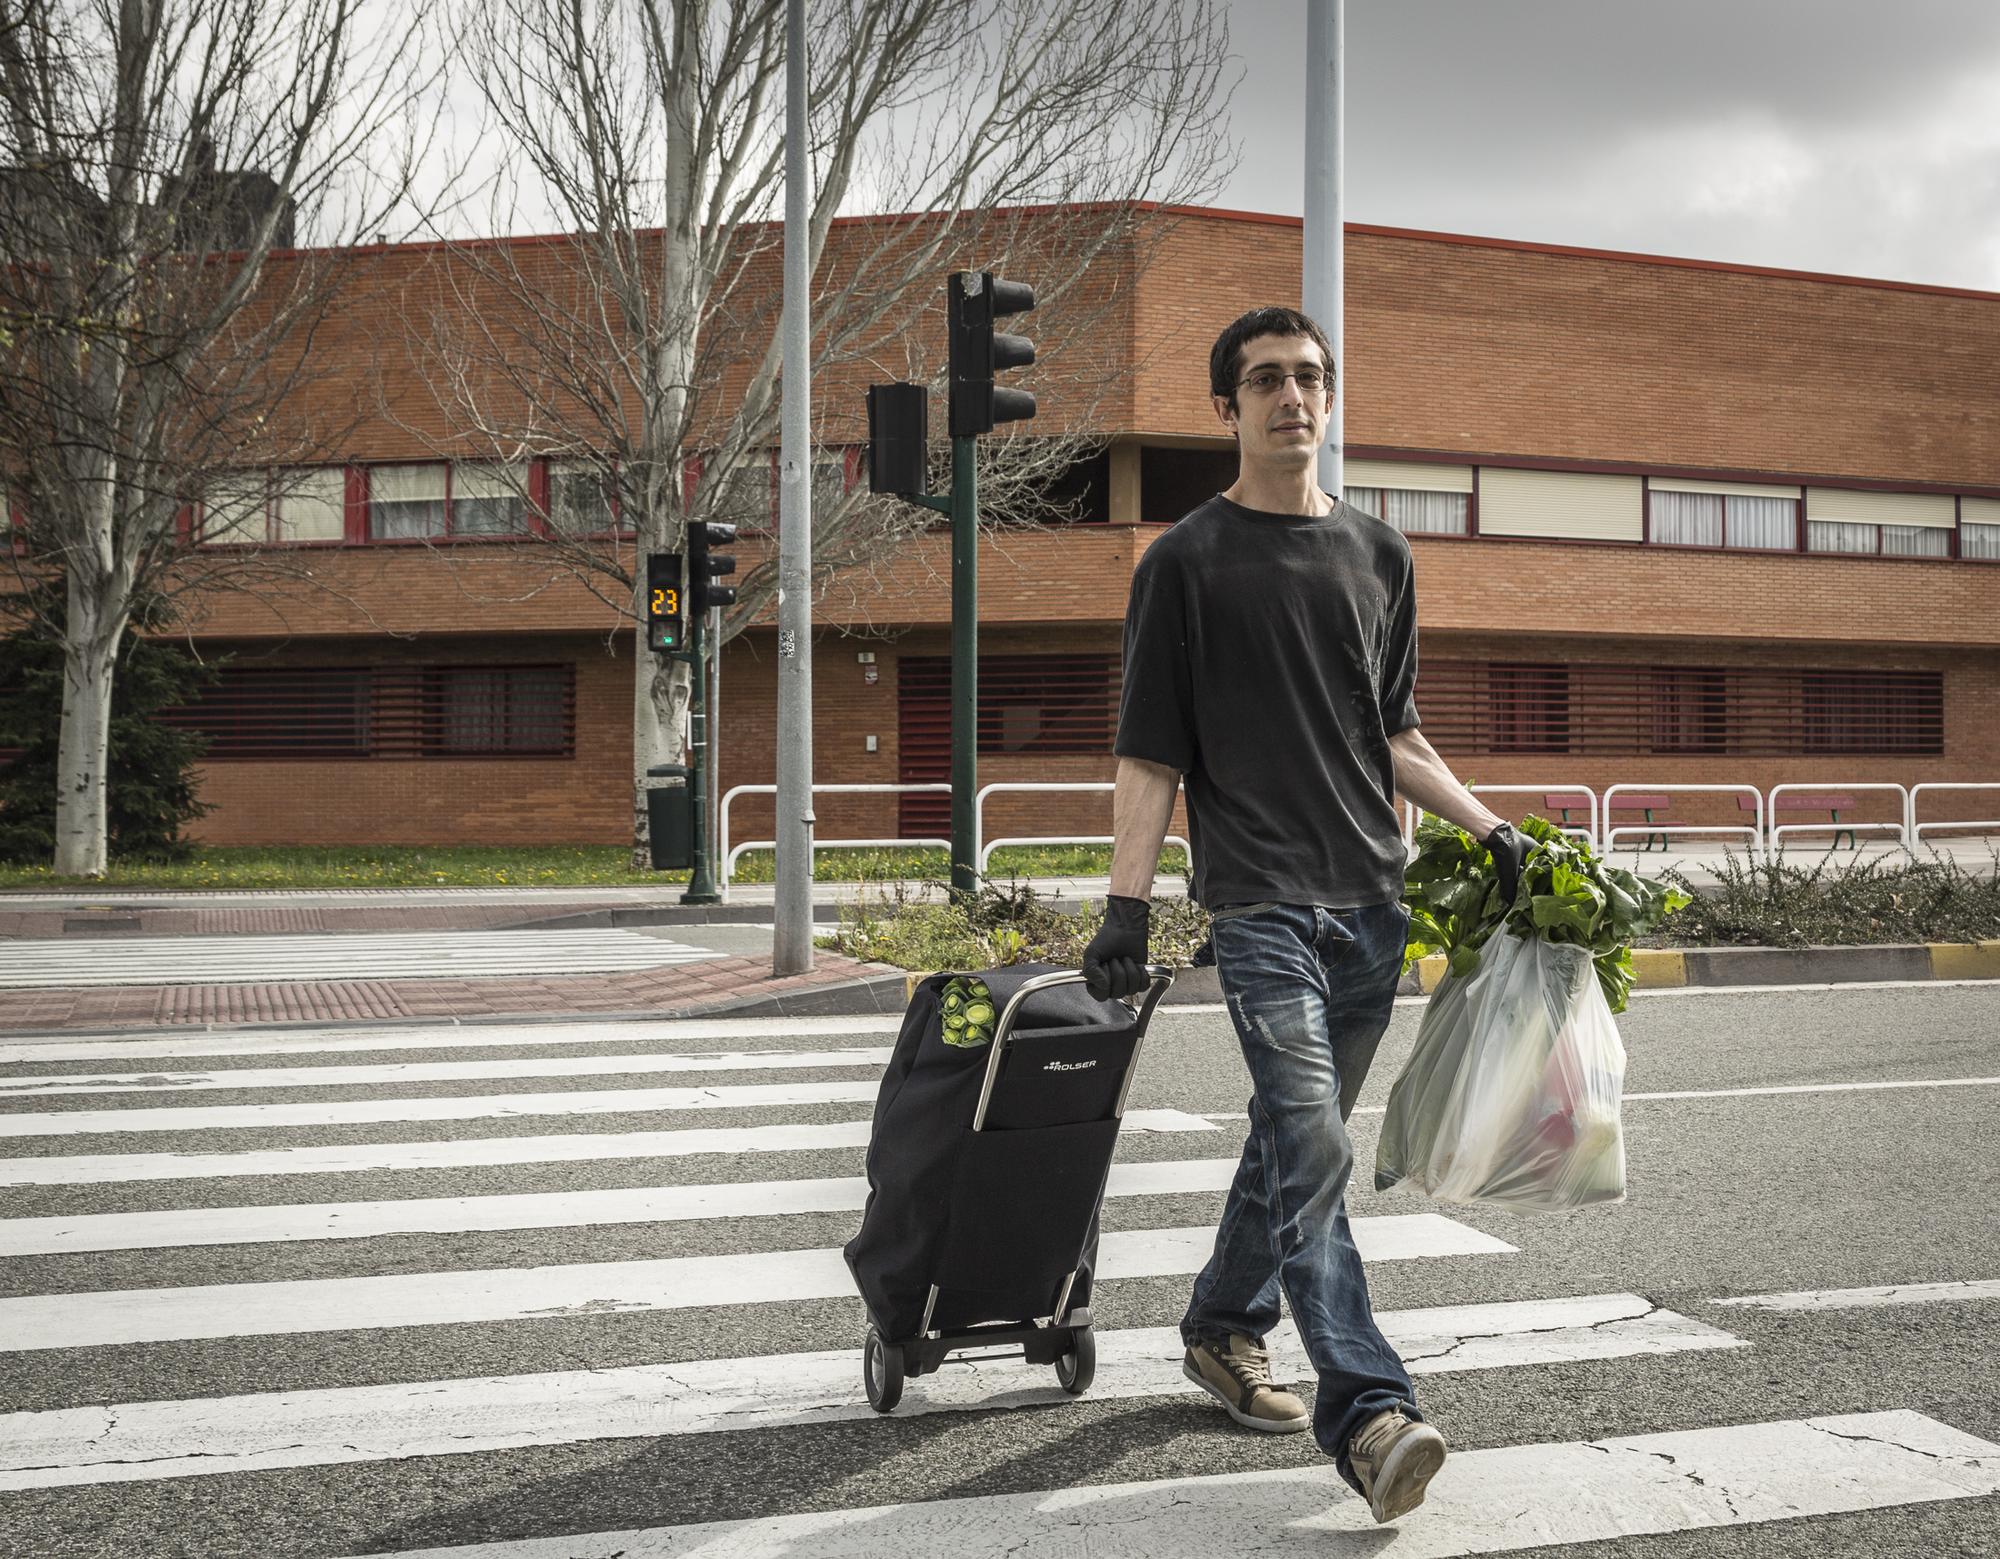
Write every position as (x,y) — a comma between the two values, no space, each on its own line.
(1310,991)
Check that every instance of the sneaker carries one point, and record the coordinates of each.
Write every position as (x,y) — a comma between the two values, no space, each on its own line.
(1238,1375)
(1395,1458)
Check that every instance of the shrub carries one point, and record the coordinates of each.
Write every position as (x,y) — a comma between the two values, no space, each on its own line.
(995,926)
(1768,902)
(149,779)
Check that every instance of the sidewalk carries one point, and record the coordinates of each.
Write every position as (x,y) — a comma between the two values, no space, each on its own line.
(734,980)
(41,913)
(717,984)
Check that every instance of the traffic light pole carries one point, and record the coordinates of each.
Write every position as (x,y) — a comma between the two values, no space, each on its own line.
(701,881)
(897,434)
(964,662)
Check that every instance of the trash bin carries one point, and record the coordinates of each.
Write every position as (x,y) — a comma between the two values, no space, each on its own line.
(670,817)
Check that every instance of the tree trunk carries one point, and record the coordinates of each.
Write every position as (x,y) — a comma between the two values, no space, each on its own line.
(660,689)
(83,750)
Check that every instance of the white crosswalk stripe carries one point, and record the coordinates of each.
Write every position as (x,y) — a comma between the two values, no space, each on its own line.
(1495,1501)
(548,1210)
(313,1040)
(181,1081)
(1871,1298)
(467,1152)
(344,1112)
(201,1438)
(526,1293)
(369,955)
(209,1257)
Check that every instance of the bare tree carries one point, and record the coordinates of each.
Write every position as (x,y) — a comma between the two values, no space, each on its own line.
(641,350)
(153,156)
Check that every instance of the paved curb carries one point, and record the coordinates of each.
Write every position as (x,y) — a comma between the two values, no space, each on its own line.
(852,998)
(1653,969)
(666,915)
(1661,968)
(888,991)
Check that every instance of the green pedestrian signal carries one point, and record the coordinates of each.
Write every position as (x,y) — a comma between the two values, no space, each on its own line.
(666,604)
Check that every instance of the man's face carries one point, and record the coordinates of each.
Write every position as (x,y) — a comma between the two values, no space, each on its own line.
(1276,419)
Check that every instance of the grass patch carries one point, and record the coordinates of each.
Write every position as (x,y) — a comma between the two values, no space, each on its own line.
(456,866)
(549,866)
(1081,860)
(1762,902)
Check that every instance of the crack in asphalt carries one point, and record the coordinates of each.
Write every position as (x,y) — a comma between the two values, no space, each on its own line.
(592,1307)
(1652,1308)
(177,1456)
(1914,1450)
(154,1080)
(1693,1477)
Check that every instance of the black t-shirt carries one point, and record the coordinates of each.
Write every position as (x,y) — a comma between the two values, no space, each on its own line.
(1269,658)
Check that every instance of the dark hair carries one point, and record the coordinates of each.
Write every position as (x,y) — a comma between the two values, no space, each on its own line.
(1225,359)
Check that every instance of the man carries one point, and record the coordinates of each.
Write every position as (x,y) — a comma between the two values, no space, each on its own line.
(1270,666)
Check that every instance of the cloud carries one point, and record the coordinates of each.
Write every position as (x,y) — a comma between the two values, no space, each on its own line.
(1862,142)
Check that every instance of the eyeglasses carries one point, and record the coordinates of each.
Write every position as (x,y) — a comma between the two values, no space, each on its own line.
(1267,381)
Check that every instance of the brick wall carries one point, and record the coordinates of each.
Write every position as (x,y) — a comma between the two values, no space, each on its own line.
(1459,346)
(541,801)
(583,800)
(1971,728)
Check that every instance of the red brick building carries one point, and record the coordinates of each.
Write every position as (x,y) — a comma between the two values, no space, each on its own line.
(1674,522)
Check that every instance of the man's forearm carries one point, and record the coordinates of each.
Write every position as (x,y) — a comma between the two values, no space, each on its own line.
(1141,805)
(1425,780)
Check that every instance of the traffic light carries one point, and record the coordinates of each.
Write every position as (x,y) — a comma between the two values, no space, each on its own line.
(977,298)
(705,565)
(899,417)
(666,614)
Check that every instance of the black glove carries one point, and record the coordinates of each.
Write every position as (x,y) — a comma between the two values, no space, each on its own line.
(1115,962)
(1510,854)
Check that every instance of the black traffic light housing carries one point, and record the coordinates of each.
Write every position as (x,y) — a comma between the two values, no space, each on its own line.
(975,300)
(899,427)
(705,565)
(666,604)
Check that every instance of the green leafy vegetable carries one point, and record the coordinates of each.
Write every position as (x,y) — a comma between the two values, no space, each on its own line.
(1567,895)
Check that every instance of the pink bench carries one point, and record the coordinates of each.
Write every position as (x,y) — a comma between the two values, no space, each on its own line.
(1830,803)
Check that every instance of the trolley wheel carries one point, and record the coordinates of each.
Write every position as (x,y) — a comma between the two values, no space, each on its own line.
(1077,1368)
(881,1372)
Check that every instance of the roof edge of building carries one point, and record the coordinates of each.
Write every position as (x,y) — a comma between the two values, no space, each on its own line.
(1272,219)
(1627,256)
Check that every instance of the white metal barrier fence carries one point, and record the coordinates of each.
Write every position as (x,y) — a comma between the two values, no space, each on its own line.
(1763,831)
(987,848)
(1413,814)
(730,854)
(1900,828)
(1610,834)
(1916,829)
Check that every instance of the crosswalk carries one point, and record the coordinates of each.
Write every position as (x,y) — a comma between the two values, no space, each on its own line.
(392,1267)
(385,955)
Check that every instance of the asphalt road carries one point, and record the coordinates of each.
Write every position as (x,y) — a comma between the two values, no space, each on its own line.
(1732,1193)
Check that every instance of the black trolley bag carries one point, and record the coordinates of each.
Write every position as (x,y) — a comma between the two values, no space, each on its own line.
(986,1168)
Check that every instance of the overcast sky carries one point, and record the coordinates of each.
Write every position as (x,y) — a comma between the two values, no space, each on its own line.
(1827,135)
(1853,136)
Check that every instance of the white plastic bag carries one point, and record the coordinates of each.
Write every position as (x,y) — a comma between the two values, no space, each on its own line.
(1510,1096)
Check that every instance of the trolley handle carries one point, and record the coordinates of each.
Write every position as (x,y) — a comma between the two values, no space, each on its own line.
(1159,977)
